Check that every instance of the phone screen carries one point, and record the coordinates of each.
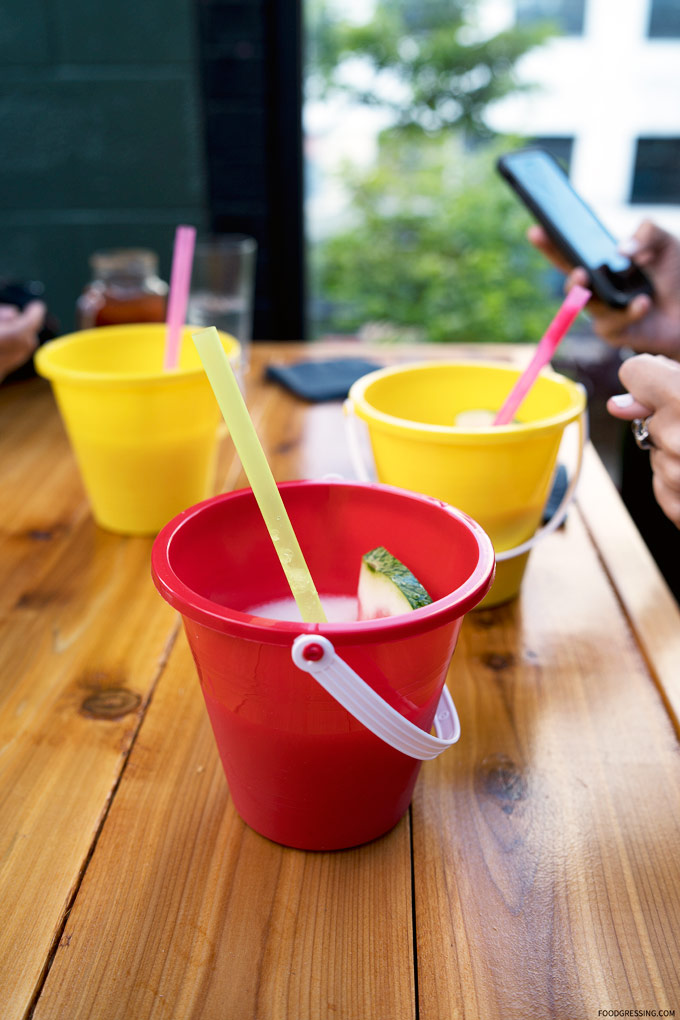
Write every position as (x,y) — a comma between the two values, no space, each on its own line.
(544,180)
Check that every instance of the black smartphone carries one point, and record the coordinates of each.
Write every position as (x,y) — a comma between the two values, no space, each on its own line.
(573,227)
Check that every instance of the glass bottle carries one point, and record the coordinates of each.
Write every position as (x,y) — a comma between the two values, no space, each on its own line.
(125,287)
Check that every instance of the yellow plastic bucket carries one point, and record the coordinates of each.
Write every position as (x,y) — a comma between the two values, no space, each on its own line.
(500,476)
(145,440)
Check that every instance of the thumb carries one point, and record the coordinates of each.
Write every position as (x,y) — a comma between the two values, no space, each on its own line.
(33,315)
(625,406)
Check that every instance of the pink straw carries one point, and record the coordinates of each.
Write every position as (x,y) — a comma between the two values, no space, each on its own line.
(180,280)
(574,302)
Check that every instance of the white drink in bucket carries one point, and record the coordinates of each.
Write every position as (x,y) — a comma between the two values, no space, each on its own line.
(338,609)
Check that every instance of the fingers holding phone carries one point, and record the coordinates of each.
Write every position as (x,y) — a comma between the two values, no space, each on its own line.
(541,240)
(577,238)
(652,246)
(613,325)
(646,324)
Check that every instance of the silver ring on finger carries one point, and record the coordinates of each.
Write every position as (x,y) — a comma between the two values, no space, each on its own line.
(640,428)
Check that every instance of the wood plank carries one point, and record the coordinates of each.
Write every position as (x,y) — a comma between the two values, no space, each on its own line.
(546,843)
(327,949)
(79,658)
(186,912)
(649,603)
(82,638)
(42,496)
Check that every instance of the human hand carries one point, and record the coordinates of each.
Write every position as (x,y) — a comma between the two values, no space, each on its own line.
(19,334)
(650,325)
(653,384)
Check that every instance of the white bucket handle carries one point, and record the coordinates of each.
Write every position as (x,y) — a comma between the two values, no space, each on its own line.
(363,474)
(315,654)
(561,512)
(355,453)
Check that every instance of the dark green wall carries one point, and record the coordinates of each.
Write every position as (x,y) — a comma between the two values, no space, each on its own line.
(101,136)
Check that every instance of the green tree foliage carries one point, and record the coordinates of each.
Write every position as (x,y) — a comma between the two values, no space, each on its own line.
(438,246)
(436,240)
(423,60)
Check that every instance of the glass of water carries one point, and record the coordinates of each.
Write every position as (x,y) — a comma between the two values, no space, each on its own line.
(222,288)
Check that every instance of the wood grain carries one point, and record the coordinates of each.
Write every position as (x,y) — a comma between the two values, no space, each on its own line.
(78,659)
(42,496)
(545,844)
(186,912)
(646,598)
(544,849)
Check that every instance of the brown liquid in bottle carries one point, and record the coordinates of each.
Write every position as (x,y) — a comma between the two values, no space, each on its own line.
(125,288)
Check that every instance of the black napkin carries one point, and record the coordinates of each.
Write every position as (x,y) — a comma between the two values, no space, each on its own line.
(321,380)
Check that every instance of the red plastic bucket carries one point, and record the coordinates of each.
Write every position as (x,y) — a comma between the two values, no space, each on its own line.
(301,770)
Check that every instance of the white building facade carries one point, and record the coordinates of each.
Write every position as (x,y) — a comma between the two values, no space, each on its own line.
(608,93)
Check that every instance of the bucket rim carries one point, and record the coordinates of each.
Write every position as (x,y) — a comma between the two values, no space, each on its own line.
(453,433)
(223,619)
(46,366)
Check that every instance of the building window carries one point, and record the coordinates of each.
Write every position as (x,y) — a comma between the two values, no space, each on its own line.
(566,14)
(664,19)
(656,179)
(559,147)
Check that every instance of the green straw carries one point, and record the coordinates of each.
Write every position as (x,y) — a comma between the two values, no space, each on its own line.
(223,381)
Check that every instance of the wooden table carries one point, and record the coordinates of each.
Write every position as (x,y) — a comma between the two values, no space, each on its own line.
(537,873)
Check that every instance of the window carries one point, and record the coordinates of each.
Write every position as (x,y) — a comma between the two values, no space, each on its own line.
(656,177)
(664,19)
(566,14)
(560,148)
